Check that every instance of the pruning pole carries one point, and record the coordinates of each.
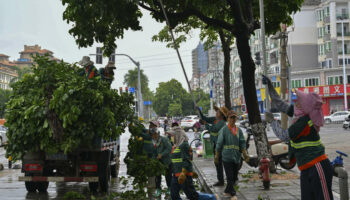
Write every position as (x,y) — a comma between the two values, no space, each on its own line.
(177,51)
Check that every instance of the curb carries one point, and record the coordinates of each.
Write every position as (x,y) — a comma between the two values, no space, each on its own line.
(202,181)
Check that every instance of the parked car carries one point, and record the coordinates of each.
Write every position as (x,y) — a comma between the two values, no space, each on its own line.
(337,117)
(346,123)
(3,137)
(188,122)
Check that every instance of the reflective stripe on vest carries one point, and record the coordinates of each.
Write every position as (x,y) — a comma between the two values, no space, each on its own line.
(310,123)
(214,134)
(301,145)
(147,141)
(177,150)
(176,160)
(231,147)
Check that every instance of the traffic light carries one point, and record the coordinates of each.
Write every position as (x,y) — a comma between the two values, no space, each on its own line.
(99,55)
(257,58)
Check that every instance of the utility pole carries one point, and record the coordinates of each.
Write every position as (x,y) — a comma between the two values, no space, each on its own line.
(284,72)
(263,45)
(344,69)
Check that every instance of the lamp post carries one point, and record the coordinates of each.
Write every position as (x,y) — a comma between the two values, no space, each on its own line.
(140,101)
(344,69)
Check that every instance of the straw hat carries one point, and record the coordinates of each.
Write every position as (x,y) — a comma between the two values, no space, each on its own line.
(223,110)
(231,113)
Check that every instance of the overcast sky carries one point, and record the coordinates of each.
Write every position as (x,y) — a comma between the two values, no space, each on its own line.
(30,22)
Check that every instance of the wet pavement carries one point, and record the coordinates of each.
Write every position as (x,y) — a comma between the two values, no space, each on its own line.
(12,189)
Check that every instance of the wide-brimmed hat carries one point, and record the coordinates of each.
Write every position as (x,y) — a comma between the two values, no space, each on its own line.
(85,61)
(154,123)
(223,110)
(231,113)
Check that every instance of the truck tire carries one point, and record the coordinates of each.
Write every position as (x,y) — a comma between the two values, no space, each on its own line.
(93,186)
(42,186)
(104,172)
(30,186)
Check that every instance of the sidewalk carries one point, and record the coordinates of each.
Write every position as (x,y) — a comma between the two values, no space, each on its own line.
(250,187)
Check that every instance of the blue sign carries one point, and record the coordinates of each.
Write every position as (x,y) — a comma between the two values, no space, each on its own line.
(23,60)
(211,94)
(132,90)
(274,78)
(258,93)
(211,82)
(147,103)
(200,108)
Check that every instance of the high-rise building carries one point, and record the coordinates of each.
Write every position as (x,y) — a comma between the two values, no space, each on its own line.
(199,64)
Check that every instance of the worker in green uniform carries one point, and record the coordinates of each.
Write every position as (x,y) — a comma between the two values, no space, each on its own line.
(149,149)
(162,150)
(214,125)
(231,145)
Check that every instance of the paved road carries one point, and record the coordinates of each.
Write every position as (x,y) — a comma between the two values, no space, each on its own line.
(11,189)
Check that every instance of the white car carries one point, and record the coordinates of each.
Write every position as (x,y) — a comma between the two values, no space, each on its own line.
(336,117)
(3,137)
(188,122)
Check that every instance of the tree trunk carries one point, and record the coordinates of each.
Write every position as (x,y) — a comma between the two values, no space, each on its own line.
(225,43)
(248,76)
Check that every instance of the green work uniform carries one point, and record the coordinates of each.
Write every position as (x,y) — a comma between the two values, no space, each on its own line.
(163,147)
(180,157)
(305,144)
(147,143)
(213,126)
(230,144)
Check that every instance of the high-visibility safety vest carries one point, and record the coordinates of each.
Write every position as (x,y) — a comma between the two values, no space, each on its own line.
(305,145)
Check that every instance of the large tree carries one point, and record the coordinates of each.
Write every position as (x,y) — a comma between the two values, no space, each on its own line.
(4,98)
(105,21)
(131,80)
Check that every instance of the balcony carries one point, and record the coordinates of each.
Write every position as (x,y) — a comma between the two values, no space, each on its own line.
(342,16)
(327,37)
(326,20)
(347,51)
(339,34)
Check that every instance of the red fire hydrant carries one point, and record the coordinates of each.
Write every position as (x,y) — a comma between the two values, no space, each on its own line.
(264,167)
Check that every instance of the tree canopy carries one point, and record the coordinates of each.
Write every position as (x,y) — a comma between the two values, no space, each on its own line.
(171,98)
(130,79)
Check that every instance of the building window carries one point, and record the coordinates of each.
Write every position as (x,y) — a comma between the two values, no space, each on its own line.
(296,83)
(347,61)
(311,82)
(335,80)
(276,84)
(348,79)
(326,12)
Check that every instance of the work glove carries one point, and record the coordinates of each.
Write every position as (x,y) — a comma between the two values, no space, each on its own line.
(159,157)
(216,158)
(182,178)
(245,156)
(269,117)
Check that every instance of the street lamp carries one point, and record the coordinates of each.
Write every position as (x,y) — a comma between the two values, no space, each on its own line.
(344,69)
(140,101)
